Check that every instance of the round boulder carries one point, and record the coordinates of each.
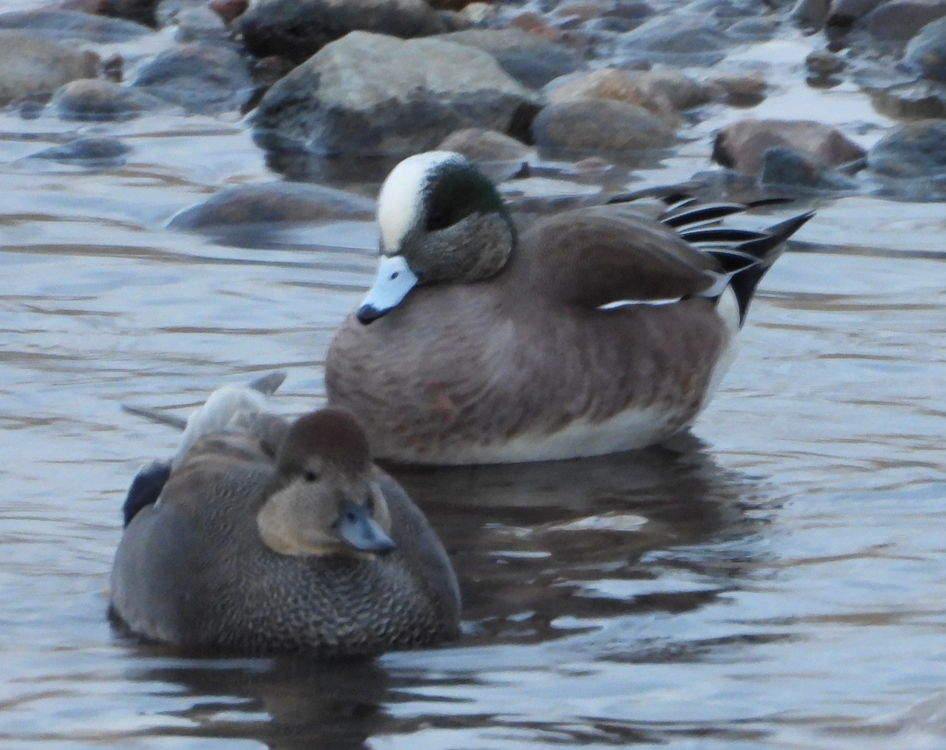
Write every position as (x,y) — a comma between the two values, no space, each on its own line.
(911,151)
(741,145)
(69,25)
(273,202)
(297,29)
(200,79)
(478,144)
(94,99)
(371,94)
(927,51)
(900,20)
(31,65)
(600,125)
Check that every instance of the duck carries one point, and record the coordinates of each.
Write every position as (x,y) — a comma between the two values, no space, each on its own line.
(596,330)
(267,536)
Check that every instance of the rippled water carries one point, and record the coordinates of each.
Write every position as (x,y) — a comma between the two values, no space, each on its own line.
(777,581)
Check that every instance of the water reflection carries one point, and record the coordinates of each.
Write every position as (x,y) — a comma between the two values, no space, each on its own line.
(563,558)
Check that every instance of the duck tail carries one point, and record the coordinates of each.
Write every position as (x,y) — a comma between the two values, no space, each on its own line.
(744,254)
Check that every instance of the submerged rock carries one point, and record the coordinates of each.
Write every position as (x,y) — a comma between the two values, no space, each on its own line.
(64,25)
(528,58)
(372,94)
(273,202)
(200,79)
(94,99)
(600,125)
(742,145)
(31,65)
(91,152)
(297,29)
(914,150)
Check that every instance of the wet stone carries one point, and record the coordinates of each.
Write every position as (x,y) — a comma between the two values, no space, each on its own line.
(797,171)
(823,64)
(527,58)
(297,29)
(97,100)
(618,85)
(486,145)
(741,91)
(900,20)
(681,39)
(200,79)
(88,152)
(68,25)
(927,51)
(139,11)
(275,202)
(914,150)
(375,95)
(601,125)
(31,65)
(742,145)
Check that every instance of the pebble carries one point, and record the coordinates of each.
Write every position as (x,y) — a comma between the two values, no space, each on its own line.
(32,65)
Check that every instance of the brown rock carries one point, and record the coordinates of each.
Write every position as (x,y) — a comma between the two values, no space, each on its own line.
(600,125)
(479,144)
(618,85)
(742,145)
(900,20)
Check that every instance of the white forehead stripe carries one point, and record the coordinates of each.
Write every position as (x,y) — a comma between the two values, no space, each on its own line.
(401,198)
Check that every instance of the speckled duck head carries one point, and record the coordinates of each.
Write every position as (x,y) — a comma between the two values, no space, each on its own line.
(441,220)
(323,498)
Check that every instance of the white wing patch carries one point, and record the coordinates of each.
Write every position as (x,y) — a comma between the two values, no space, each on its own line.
(400,201)
(631,302)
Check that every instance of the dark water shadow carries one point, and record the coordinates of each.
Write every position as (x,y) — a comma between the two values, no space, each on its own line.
(527,541)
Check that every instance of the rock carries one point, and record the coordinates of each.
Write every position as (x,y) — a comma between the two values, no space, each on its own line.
(527,58)
(97,152)
(67,25)
(791,169)
(228,10)
(612,83)
(371,94)
(478,144)
(914,150)
(273,202)
(297,29)
(927,51)
(199,24)
(811,13)
(753,29)
(846,12)
(680,39)
(139,11)
(200,79)
(823,64)
(900,20)
(31,65)
(741,145)
(93,99)
(741,91)
(600,125)
(918,100)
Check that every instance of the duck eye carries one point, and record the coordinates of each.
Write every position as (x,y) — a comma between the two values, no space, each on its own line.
(309,475)
(395,275)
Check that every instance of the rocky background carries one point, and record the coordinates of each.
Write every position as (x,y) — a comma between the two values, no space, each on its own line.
(590,89)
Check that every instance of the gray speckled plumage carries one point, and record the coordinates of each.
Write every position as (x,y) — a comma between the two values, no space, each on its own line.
(193,571)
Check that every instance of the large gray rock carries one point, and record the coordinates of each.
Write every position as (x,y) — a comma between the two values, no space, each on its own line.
(911,151)
(201,79)
(599,125)
(742,145)
(297,29)
(372,94)
(31,65)
(530,59)
(678,39)
(900,20)
(927,51)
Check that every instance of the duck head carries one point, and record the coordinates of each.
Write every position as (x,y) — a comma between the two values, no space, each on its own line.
(441,219)
(323,498)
